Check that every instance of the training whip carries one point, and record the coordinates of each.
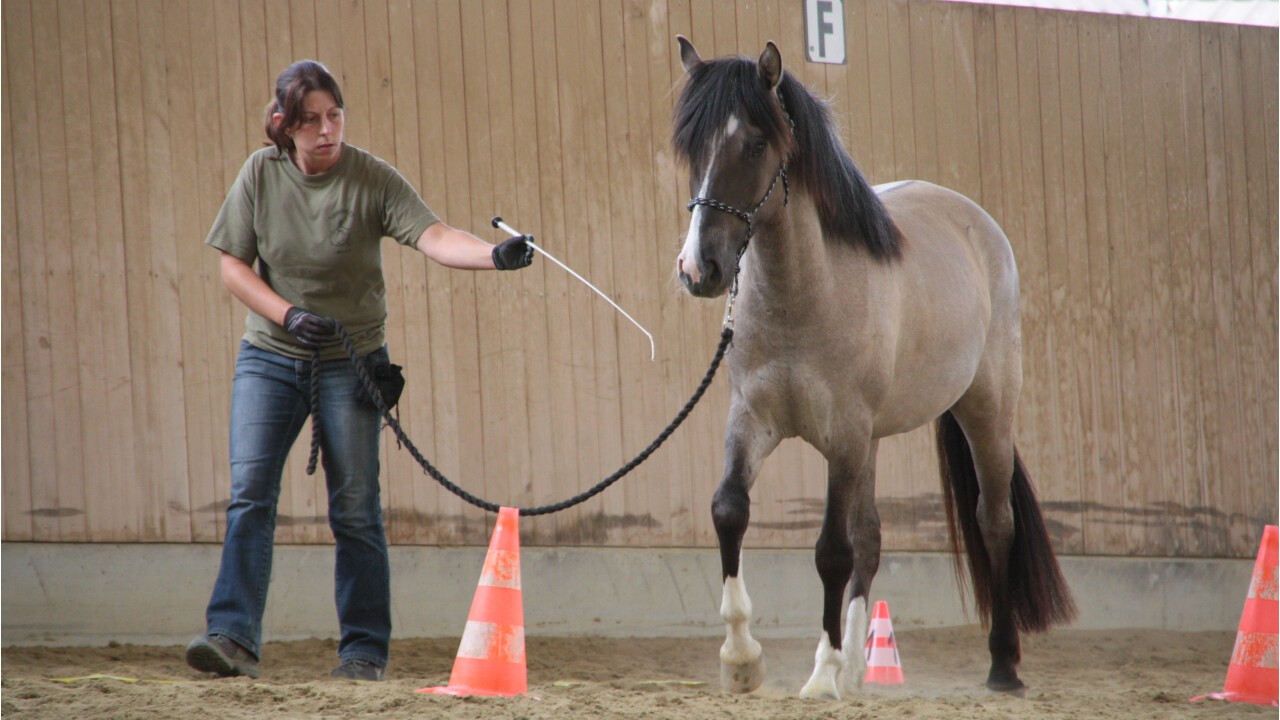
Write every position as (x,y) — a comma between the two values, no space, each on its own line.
(497,223)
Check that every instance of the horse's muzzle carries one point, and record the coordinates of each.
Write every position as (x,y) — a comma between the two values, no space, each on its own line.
(710,283)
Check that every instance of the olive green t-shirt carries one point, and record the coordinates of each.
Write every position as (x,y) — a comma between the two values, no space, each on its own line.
(317,241)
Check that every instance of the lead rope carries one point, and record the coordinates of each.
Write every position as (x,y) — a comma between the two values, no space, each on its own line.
(371,387)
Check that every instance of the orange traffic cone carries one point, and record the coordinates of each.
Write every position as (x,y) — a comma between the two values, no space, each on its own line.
(883,665)
(490,657)
(1253,672)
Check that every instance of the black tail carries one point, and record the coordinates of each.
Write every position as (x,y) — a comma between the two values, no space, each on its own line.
(1038,592)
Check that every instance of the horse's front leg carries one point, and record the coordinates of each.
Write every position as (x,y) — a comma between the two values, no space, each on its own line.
(746,445)
(847,482)
(864,531)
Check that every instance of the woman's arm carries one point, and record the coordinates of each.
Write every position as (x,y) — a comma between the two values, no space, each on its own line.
(251,290)
(455,248)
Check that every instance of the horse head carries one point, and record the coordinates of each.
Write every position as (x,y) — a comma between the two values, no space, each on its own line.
(732,131)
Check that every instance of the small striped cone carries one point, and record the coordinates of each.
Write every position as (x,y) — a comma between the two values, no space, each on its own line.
(883,665)
(1253,672)
(490,657)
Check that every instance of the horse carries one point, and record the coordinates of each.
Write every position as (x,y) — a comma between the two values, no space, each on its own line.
(861,312)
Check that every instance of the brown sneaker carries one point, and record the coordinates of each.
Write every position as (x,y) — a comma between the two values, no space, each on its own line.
(221,655)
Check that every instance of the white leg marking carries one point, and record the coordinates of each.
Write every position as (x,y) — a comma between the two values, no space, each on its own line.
(741,664)
(827,663)
(855,640)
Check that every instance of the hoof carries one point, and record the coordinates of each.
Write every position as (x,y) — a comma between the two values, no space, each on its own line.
(742,677)
(1008,684)
(820,689)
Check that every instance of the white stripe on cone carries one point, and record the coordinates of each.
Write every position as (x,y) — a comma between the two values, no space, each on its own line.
(490,641)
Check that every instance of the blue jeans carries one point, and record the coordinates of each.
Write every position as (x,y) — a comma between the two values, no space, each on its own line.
(270,400)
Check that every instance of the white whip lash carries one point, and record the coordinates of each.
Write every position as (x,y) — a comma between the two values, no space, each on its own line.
(497,223)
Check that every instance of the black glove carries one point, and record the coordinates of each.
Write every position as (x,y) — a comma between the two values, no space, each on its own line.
(310,329)
(513,254)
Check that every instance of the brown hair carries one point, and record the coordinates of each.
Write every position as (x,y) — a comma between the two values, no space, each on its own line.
(292,87)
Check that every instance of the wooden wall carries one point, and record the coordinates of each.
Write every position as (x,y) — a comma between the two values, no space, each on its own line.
(1133,163)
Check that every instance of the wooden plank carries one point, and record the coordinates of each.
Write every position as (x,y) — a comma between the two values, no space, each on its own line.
(1069,271)
(210,477)
(964,140)
(989,137)
(164,348)
(526,213)
(652,172)
(724,29)
(1195,294)
(15,491)
(616,47)
(435,424)
(464,381)
(1166,486)
(302,29)
(1099,105)
(1222,414)
(855,105)
(279,30)
(1139,369)
(580,359)
(115,351)
(923,97)
(507,421)
(1268,42)
(899,61)
(191,260)
(1258,78)
(1243,533)
(606,433)
(401,476)
(551,166)
(99,485)
(881,164)
(1180,415)
(1192,279)
(61,331)
(37,355)
(478,291)
(134,186)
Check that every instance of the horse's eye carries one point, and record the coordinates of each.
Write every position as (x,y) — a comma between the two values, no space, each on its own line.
(758,148)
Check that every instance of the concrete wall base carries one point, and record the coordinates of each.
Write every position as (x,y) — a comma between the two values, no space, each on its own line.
(92,594)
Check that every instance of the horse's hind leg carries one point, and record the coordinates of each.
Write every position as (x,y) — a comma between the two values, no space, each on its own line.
(990,441)
(746,445)
(849,486)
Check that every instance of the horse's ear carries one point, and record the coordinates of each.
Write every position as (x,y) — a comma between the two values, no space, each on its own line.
(688,55)
(770,65)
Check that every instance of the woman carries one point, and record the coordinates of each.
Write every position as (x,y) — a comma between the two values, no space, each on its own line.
(311,210)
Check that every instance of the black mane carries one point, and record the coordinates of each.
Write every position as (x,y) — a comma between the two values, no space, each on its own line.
(847,206)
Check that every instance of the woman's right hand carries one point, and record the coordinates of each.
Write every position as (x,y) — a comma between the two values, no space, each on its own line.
(310,329)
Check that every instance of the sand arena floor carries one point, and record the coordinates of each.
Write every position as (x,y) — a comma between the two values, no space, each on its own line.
(1128,675)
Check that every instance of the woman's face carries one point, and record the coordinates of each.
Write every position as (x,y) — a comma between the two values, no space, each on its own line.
(318,138)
